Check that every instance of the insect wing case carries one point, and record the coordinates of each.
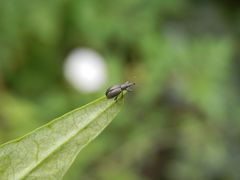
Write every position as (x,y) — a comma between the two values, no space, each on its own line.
(113,91)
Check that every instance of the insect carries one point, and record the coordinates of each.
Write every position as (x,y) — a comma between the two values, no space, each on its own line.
(114,91)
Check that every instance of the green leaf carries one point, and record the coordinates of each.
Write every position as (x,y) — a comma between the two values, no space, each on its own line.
(49,151)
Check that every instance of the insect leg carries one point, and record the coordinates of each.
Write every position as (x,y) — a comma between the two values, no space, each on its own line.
(129,89)
(121,94)
(116,98)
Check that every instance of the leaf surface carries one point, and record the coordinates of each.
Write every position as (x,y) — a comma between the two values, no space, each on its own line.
(49,151)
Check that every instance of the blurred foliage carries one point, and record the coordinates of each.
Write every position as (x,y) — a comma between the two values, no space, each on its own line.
(181,122)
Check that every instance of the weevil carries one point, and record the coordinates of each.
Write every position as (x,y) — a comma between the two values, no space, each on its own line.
(114,91)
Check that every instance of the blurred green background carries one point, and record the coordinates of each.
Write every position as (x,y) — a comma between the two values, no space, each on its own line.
(182,120)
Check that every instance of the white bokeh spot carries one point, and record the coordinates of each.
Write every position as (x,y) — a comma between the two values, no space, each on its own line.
(85,70)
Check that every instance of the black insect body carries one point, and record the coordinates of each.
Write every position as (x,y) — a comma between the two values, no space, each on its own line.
(114,91)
